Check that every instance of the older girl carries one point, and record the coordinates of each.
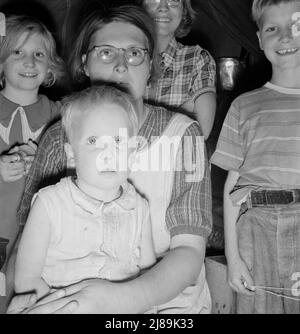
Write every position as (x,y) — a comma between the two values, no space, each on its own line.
(187,73)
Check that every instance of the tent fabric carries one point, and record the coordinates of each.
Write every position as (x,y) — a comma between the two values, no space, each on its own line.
(54,14)
(64,17)
(234,16)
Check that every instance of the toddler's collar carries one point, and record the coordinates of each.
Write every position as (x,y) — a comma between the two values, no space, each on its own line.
(126,200)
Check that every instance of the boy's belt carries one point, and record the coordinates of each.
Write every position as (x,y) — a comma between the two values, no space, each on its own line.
(273,197)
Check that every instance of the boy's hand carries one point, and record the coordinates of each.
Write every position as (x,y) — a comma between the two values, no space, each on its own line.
(239,278)
(11,169)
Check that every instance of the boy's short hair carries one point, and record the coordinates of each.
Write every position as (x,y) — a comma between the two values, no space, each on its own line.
(86,100)
(16,25)
(259,6)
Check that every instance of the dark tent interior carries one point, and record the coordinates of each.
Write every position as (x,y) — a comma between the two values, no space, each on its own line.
(223,27)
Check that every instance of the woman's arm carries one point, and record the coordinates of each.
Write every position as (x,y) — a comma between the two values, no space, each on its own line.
(32,252)
(204,109)
(178,269)
(202,90)
(189,220)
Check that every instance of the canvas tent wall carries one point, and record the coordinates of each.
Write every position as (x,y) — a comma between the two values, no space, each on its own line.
(222,25)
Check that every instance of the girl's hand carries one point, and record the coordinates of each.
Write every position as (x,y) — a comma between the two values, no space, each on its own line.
(11,169)
(239,278)
(27,151)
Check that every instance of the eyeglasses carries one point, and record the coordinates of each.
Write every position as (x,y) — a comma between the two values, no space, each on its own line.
(170,3)
(134,56)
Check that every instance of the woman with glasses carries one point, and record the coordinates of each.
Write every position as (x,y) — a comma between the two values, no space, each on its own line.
(187,73)
(171,172)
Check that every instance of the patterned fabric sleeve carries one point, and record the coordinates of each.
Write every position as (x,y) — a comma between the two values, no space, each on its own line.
(47,168)
(203,78)
(229,153)
(190,207)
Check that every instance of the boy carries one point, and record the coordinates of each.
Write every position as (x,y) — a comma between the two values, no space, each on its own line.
(259,145)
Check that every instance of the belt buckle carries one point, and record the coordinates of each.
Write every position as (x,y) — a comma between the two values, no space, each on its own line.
(249,202)
(256,203)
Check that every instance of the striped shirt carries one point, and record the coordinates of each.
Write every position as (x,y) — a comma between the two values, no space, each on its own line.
(186,73)
(189,211)
(260,139)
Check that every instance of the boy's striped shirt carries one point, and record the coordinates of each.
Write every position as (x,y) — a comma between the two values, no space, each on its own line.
(260,139)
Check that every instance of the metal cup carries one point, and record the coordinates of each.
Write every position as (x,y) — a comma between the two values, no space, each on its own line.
(228,70)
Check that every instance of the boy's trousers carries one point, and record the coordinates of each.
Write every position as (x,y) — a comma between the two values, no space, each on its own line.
(269,244)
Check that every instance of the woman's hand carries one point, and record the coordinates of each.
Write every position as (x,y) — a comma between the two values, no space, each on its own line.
(239,277)
(20,303)
(27,303)
(89,296)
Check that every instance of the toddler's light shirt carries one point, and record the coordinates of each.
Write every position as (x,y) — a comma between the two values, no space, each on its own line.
(82,226)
